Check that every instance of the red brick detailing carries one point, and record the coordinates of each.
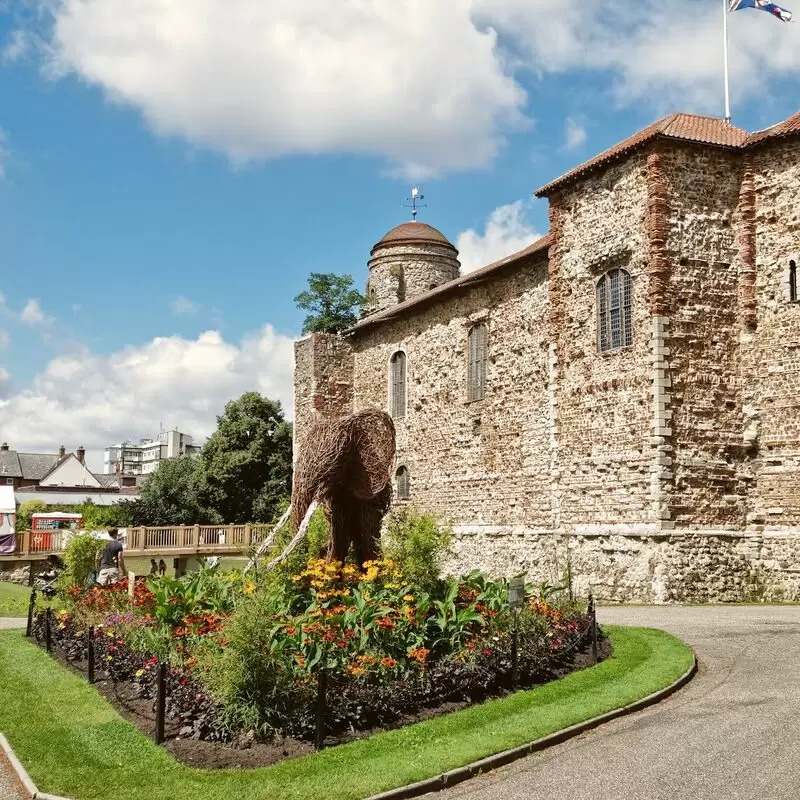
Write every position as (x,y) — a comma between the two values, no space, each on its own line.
(747,245)
(657,227)
(556,214)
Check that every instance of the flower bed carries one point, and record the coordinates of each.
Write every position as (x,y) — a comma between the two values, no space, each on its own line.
(246,654)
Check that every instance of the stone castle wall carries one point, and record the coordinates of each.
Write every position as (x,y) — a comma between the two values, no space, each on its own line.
(487,460)
(667,471)
(709,487)
(323,380)
(602,458)
(773,352)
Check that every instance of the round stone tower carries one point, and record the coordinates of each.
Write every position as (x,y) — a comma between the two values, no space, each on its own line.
(410,260)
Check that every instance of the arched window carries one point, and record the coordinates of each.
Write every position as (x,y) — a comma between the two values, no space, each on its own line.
(792,281)
(372,297)
(477,356)
(397,385)
(614,299)
(403,482)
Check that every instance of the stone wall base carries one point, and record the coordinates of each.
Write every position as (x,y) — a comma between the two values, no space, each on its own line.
(632,564)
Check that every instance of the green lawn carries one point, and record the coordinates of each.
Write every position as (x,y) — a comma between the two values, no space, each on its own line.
(73,743)
(13,600)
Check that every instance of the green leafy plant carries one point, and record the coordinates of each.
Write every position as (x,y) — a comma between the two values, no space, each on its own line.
(80,556)
(26,510)
(418,543)
(331,301)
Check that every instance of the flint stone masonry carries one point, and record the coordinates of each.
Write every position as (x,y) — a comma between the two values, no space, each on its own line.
(664,471)
(400,271)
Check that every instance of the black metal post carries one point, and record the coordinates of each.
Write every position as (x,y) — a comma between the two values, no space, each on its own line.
(515,651)
(47,618)
(322,690)
(593,627)
(31,610)
(161,701)
(90,655)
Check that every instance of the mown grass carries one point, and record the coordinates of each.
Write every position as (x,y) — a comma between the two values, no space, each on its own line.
(74,743)
(13,600)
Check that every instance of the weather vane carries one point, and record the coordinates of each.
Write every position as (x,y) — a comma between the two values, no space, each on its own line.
(413,202)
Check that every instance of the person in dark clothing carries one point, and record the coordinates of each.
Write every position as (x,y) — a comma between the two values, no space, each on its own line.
(153,567)
(162,567)
(110,563)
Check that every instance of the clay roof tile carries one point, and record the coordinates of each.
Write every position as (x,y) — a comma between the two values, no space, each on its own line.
(786,128)
(686,127)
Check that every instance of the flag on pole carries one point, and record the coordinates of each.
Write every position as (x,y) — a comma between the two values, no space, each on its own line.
(763,5)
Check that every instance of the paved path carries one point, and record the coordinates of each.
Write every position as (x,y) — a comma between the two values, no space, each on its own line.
(732,733)
(12,622)
(10,787)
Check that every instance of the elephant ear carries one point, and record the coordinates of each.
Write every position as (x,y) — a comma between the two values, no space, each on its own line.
(372,454)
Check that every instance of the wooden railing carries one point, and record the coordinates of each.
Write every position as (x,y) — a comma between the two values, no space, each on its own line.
(175,540)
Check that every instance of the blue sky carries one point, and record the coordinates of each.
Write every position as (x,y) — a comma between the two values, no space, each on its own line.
(176,170)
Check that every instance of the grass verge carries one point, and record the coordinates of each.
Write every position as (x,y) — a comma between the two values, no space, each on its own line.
(73,743)
(13,600)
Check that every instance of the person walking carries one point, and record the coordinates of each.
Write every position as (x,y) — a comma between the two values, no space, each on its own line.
(110,563)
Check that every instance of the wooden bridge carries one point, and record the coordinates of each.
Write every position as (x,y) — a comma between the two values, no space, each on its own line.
(179,541)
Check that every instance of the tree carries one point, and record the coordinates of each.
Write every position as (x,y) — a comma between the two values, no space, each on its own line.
(245,467)
(26,510)
(332,301)
(171,497)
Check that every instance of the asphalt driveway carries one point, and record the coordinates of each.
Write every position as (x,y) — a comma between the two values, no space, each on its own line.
(732,733)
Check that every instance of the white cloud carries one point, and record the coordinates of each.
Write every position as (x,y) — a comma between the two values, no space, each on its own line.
(506,231)
(667,55)
(94,400)
(428,85)
(574,134)
(5,383)
(183,305)
(33,315)
(5,339)
(414,81)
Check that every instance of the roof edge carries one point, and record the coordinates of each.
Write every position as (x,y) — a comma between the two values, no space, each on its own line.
(580,172)
(540,245)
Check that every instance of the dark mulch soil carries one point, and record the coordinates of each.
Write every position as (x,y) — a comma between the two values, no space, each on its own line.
(213,755)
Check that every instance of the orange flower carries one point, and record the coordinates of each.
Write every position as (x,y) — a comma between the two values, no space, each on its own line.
(388,663)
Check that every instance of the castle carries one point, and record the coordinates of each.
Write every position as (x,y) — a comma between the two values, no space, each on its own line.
(622,397)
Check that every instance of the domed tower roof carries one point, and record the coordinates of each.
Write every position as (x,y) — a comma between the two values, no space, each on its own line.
(412,233)
(408,261)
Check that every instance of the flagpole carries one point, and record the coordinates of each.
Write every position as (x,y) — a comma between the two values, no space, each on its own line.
(725,56)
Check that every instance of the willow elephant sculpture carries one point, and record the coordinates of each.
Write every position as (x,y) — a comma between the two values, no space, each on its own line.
(345,465)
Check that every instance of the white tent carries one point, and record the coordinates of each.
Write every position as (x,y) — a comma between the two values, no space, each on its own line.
(8,509)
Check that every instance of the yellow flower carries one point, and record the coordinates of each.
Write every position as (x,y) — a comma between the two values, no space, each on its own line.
(139,673)
(249,587)
(409,598)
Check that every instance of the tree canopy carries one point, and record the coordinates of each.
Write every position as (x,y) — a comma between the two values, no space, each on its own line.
(332,302)
(245,467)
(171,496)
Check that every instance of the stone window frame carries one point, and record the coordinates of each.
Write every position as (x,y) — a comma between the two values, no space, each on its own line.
(605,307)
(398,380)
(791,278)
(477,360)
(402,482)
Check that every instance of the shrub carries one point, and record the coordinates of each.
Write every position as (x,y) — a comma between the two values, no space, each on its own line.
(26,510)
(418,543)
(80,556)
